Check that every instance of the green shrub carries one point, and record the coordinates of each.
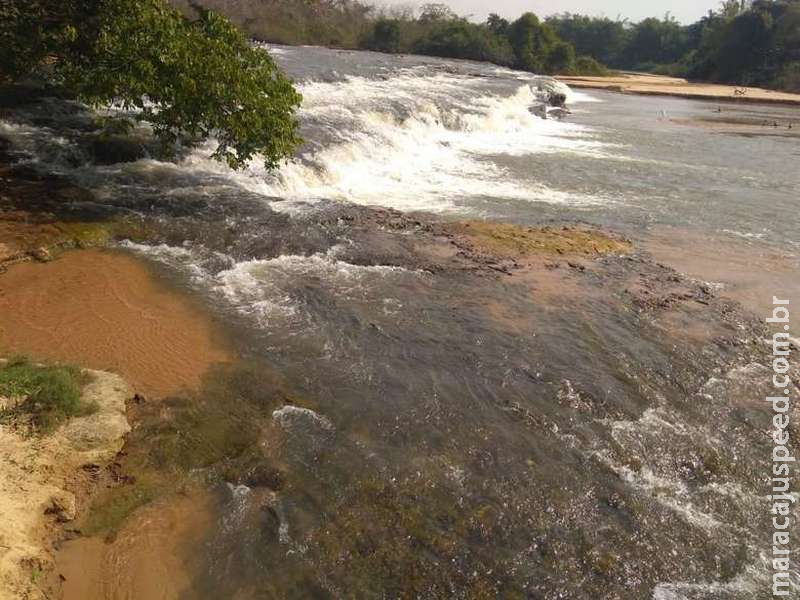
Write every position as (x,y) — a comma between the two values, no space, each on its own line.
(678,69)
(789,78)
(586,65)
(561,58)
(49,394)
(385,36)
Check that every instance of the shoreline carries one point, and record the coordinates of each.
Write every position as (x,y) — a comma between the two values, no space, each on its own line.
(144,340)
(135,539)
(658,85)
(46,481)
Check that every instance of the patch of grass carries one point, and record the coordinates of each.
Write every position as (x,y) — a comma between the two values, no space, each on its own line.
(36,574)
(47,394)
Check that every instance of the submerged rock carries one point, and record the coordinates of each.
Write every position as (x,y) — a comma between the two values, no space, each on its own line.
(550,98)
(550,91)
(511,242)
(294,419)
(113,149)
(307,434)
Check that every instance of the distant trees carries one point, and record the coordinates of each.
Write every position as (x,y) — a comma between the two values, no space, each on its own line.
(561,58)
(757,46)
(655,41)
(752,42)
(385,36)
(527,43)
(339,23)
(746,43)
(497,24)
(532,42)
(436,13)
(600,38)
(458,38)
(622,44)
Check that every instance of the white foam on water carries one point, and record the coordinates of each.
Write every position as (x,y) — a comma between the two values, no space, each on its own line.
(265,289)
(274,50)
(41,143)
(576,97)
(417,142)
(747,235)
(753,582)
(573,96)
(671,492)
(163,252)
(178,257)
(291,417)
(742,584)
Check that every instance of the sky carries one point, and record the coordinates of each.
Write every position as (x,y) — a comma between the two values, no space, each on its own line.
(686,11)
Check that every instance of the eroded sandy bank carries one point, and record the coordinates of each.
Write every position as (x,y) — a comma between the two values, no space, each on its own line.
(40,477)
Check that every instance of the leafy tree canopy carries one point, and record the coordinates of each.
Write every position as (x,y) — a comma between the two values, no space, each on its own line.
(189,78)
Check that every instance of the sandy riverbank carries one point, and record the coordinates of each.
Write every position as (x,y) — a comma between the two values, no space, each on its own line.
(42,480)
(658,85)
(146,559)
(103,309)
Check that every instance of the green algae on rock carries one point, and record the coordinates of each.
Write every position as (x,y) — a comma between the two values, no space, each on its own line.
(505,240)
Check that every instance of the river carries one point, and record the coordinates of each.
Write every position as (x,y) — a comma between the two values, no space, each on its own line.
(403,425)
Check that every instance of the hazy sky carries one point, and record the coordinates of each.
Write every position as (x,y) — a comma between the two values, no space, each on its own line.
(683,10)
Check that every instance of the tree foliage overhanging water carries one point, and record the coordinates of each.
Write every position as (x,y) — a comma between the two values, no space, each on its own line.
(189,78)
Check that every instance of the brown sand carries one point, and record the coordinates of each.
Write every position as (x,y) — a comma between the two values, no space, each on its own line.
(147,559)
(658,85)
(103,309)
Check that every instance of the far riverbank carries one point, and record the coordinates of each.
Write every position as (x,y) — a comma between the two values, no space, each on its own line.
(658,85)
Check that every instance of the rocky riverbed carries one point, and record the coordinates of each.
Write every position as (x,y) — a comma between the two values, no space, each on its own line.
(453,348)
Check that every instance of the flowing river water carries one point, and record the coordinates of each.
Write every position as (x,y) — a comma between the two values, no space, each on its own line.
(403,424)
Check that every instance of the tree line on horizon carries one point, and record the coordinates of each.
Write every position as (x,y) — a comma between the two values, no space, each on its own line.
(753,43)
(743,42)
(527,43)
